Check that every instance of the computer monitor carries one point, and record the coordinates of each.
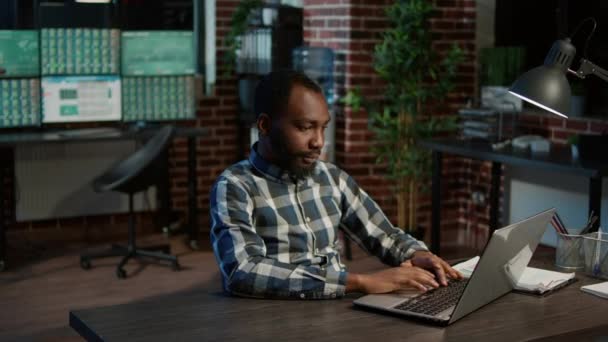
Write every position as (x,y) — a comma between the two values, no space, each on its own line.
(154,53)
(158,98)
(81,98)
(19,80)
(19,102)
(80,51)
(19,53)
(158,70)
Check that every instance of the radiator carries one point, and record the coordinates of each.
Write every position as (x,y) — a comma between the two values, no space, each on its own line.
(54,180)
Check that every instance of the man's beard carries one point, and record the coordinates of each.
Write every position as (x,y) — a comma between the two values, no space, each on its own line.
(286,159)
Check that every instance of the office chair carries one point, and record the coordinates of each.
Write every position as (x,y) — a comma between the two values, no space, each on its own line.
(136,173)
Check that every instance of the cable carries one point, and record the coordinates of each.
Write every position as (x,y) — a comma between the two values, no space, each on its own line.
(578,27)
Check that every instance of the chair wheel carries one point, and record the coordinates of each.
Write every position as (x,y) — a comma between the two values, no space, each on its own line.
(85,264)
(120,273)
(175,266)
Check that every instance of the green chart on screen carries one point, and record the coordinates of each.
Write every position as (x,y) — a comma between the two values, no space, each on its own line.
(153,53)
(19,53)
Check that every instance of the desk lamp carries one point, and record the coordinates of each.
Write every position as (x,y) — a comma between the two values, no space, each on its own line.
(546,86)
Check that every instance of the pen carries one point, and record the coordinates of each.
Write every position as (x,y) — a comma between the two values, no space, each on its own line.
(560,223)
(557,226)
(596,266)
(590,224)
(604,258)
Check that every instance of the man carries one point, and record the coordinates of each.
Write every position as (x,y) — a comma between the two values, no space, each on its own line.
(275,217)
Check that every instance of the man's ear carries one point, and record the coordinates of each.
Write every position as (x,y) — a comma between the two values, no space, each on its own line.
(264,124)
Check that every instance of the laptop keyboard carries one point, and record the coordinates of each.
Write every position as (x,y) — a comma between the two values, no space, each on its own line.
(434,301)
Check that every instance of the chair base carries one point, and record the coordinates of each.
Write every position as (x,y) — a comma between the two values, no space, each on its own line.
(128,253)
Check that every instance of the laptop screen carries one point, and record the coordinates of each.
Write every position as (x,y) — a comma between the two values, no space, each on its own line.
(502,262)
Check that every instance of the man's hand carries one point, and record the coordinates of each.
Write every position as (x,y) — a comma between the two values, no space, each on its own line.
(392,279)
(430,261)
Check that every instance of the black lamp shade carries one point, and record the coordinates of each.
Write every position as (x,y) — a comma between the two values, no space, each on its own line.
(546,87)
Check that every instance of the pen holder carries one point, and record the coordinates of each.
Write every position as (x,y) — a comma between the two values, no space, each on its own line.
(596,255)
(569,252)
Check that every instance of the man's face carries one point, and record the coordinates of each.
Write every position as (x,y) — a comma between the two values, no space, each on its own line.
(297,135)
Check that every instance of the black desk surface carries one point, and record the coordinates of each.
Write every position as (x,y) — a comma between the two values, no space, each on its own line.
(90,134)
(206,314)
(559,158)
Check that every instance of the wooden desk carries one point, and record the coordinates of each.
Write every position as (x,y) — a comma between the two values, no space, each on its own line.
(206,314)
(10,140)
(558,160)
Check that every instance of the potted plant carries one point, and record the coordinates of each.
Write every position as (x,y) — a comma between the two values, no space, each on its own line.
(238,26)
(415,73)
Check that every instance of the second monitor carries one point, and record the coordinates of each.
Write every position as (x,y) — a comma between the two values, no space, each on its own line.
(81,98)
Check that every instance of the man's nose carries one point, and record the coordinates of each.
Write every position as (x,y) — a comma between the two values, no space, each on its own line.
(318,139)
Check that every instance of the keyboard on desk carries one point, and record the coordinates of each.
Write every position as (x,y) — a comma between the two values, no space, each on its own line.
(436,300)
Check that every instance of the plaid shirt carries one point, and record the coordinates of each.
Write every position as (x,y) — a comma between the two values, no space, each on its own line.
(274,237)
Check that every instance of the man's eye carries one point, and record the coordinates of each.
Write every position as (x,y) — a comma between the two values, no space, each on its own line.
(305,128)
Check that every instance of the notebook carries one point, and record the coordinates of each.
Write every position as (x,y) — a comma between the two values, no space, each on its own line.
(500,266)
(599,289)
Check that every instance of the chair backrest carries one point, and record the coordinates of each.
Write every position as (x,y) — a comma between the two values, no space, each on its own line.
(139,170)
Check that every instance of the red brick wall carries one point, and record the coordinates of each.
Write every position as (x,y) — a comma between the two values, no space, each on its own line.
(557,129)
(352,28)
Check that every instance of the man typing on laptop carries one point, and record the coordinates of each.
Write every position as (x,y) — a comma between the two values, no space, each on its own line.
(275,217)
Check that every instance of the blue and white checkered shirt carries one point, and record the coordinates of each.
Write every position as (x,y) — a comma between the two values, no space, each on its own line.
(274,237)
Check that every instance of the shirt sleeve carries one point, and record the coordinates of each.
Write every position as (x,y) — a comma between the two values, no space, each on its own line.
(241,254)
(365,223)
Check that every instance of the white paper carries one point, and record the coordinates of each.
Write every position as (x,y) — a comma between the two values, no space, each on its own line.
(536,279)
(599,289)
(467,267)
(532,279)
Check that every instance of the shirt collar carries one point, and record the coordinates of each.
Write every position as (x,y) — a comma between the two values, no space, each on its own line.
(273,171)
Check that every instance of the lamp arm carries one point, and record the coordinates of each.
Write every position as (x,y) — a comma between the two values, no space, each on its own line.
(588,68)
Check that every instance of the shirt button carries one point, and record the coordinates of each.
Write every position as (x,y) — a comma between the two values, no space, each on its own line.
(308,219)
(302,295)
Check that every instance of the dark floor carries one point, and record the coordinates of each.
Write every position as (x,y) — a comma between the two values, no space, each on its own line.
(39,288)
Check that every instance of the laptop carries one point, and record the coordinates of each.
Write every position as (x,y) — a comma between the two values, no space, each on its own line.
(500,266)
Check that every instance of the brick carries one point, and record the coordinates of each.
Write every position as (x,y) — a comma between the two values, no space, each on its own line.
(598,127)
(578,125)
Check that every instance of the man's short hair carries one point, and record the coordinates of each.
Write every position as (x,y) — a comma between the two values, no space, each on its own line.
(273,90)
